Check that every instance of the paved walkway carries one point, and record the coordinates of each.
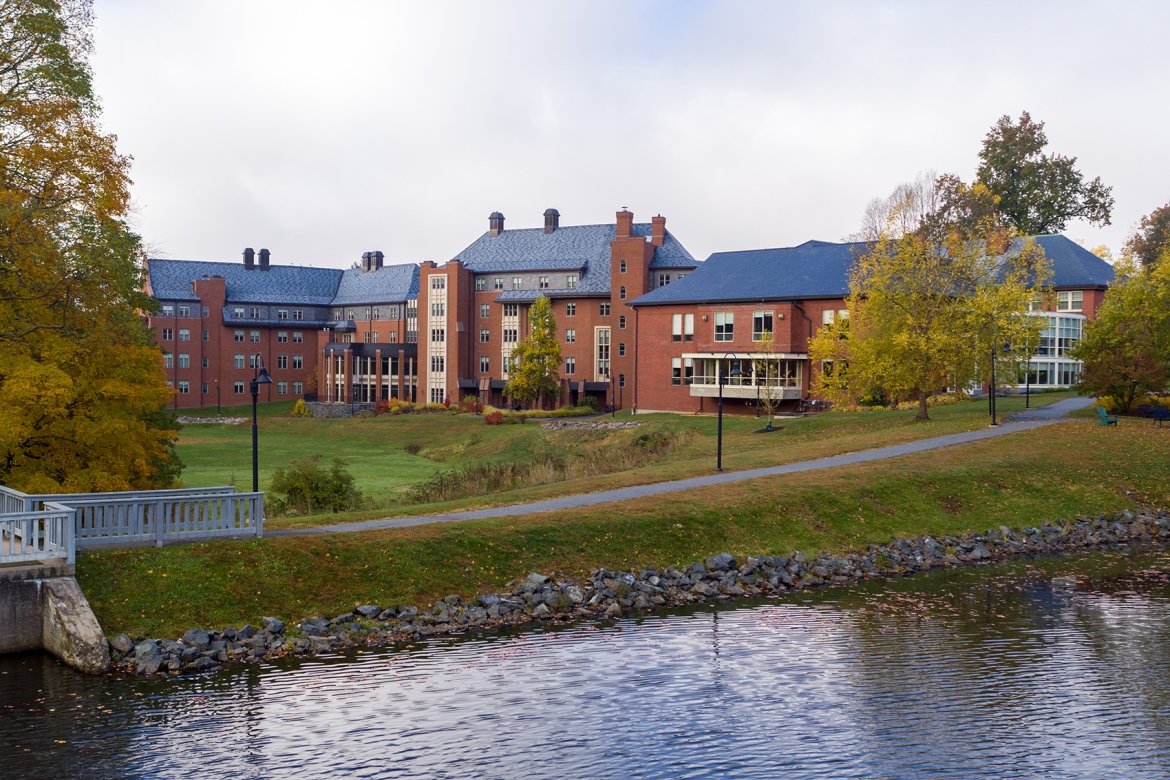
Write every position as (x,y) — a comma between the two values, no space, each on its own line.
(1020,421)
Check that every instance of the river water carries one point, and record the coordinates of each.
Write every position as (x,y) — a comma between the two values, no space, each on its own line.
(1053,669)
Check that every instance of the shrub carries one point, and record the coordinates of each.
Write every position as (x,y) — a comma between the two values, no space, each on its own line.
(300,409)
(382,407)
(306,487)
(588,402)
(494,417)
(413,448)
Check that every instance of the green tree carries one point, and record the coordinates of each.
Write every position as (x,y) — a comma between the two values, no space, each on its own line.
(536,360)
(1126,347)
(1037,193)
(81,386)
(925,309)
(767,376)
(1152,237)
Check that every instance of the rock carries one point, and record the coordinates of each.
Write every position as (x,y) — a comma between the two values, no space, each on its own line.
(147,657)
(196,637)
(368,610)
(614,610)
(201,664)
(272,625)
(536,579)
(541,610)
(122,644)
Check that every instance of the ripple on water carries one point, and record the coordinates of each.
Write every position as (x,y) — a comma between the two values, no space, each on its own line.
(998,673)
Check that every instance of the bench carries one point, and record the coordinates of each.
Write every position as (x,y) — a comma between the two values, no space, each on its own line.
(1157,412)
(1104,418)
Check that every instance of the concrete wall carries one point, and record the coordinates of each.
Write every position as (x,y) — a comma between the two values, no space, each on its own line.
(42,607)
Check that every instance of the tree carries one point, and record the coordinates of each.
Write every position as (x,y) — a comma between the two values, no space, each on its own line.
(536,360)
(1126,347)
(82,390)
(767,376)
(1037,193)
(1152,237)
(925,309)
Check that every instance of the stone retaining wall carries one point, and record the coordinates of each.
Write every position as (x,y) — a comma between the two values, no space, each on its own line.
(613,594)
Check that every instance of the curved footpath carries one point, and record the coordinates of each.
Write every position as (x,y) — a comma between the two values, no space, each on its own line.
(1021,421)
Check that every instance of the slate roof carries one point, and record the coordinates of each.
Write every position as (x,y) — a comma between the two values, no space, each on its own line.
(576,247)
(170,280)
(387,284)
(820,269)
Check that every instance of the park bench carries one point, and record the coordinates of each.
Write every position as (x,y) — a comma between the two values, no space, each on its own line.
(1104,418)
(1157,412)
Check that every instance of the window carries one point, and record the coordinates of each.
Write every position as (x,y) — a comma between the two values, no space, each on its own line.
(184,311)
(298,337)
(1066,300)
(282,314)
(254,336)
(238,361)
(438,283)
(621,349)
(184,360)
(393,337)
(184,334)
(485,364)
(724,326)
(438,335)
(688,371)
(206,363)
(603,309)
(253,361)
(375,314)
(238,335)
(517,282)
(168,360)
(570,335)
(282,388)
(506,363)
(238,388)
(438,363)
(349,314)
(622,322)
(570,310)
(498,283)
(438,309)
(184,387)
(570,365)
(622,267)
(511,335)
(298,388)
(166,310)
(480,283)
(206,336)
(663,280)
(829,316)
(298,314)
(281,336)
(1036,303)
(436,395)
(571,281)
(485,310)
(337,314)
(602,354)
(622,292)
(238,312)
(485,336)
(761,324)
(168,334)
(282,361)
(204,388)
(298,361)
(676,371)
(255,312)
(371,337)
(206,313)
(511,310)
(543,283)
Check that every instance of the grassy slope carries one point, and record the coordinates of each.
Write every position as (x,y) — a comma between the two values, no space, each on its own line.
(1027,478)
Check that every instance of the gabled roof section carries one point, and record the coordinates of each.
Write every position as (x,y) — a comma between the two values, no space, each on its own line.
(388,284)
(170,280)
(583,248)
(815,269)
(819,269)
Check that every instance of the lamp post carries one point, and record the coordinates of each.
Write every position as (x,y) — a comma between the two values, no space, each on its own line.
(719,428)
(991,399)
(259,377)
(217,412)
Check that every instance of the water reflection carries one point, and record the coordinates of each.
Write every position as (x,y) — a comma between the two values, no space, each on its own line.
(1059,669)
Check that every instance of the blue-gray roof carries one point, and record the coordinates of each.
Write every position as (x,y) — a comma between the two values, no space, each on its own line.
(171,280)
(820,269)
(577,247)
(387,284)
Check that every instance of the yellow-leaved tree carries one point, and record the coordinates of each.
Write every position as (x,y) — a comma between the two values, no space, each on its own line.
(82,392)
(933,302)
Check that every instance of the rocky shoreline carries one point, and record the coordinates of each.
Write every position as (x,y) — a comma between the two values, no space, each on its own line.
(609,595)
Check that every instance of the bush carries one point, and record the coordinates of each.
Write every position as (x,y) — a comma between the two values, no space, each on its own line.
(413,448)
(306,487)
(494,417)
(300,409)
(588,402)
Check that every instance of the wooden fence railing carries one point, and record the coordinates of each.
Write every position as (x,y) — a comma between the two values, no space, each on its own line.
(32,527)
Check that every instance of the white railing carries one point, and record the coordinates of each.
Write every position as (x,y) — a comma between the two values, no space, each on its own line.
(53,526)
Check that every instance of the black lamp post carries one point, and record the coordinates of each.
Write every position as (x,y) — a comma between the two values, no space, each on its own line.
(722,379)
(217,412)
(259,377)
(991,399)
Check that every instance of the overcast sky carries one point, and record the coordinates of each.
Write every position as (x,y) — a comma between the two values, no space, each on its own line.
(323,130)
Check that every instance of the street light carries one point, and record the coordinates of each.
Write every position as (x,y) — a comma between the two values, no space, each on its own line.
(259,377)
(719,430)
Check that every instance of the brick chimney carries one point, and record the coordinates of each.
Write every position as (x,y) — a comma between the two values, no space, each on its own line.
(495,223)
(625,223)
(249,259)
(264,256)
(658,230)
(372,261)
(552,220)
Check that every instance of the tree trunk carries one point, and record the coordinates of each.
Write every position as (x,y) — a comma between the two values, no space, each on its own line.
(923,409)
